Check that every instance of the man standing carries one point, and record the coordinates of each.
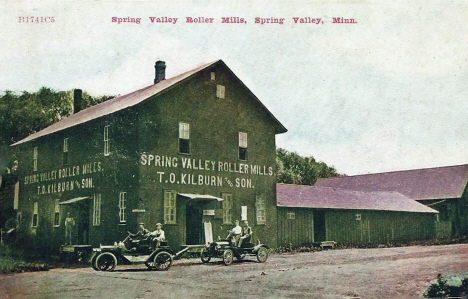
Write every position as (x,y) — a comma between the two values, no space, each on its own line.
(69,224)
(246,234)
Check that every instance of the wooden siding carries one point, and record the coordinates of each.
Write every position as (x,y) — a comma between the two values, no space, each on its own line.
(295,232)
(374,227)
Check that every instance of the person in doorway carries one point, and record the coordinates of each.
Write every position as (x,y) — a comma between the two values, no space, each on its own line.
(157,236)
(235,233)
(69,224)
(246,234)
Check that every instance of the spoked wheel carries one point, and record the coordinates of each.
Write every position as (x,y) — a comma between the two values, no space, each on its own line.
(262,254)
(205,258)
(162,261)
(228,256)
(106,261)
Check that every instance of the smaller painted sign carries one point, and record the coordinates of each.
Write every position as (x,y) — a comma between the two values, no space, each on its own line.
(208,212)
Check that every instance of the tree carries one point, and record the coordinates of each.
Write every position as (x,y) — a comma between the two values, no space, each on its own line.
(295,169)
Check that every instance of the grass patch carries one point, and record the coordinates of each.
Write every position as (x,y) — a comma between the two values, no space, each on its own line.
(11,261)
(450,286)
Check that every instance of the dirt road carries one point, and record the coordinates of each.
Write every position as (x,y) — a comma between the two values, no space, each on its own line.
(402,272)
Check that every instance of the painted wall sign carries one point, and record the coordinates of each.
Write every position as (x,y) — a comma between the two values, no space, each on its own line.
(65,179)
(218,168)
(208,212)
(138,210)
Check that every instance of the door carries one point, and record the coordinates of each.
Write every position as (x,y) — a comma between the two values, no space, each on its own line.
(193,224)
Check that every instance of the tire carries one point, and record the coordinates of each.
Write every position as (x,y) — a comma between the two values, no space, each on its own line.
(228,256)
(205,258)
(106,261)
(262,254)
(93,263)
(162,261)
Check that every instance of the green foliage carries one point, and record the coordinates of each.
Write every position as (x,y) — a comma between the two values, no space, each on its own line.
(295,169)
(453,286)
(22,114)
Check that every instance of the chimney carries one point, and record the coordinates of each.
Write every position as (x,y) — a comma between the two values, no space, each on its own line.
(160,68)
(78,104)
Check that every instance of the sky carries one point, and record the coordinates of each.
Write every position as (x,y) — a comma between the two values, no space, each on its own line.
(385,94)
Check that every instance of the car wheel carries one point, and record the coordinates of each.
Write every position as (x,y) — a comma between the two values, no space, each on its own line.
(205,258)
(106,261)
(228,256)
(162,261)
(262,254)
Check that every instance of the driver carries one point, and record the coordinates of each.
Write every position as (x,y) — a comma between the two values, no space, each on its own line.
(235,233)
(157,236)
(246,234)
(143,233)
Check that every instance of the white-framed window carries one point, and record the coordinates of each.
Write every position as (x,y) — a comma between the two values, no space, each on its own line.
(56,213)
(35,157)
(358,216)
(220,91)
(242,146)
(106,141)
(123,207)
(65,151)
(97,209)
(227,208)
(291,215)
(260,209)
(170,206)
(184,138)
(35,216)
(213,76)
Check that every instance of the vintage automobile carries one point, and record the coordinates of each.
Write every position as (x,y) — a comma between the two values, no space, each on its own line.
(226,250)
(130,251)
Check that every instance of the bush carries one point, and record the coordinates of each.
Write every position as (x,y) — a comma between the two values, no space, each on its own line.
(453,286)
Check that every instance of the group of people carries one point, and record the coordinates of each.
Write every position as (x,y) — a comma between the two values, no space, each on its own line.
(156,237)
(240,235)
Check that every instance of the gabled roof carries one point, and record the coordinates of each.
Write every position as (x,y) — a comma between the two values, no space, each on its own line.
(135,98)
(418,184)
(302,196)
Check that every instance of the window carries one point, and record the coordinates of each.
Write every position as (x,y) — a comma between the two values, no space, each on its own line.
(242,146)
(97,210)
(227,208)
(35,216)
(184,138)
(358,217)
(35,159)
(291,215)
(260,209)
(170,207)
(122,207)
(220,91)
(57,214)
(106,141)
(65,151)
(213,76)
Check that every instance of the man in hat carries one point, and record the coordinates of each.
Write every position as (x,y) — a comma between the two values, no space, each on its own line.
(157,236)
(69,224)
(246,234)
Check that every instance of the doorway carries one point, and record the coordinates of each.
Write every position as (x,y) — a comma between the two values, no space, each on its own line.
(193,224)
(319,226)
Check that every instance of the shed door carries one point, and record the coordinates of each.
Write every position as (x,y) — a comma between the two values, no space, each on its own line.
(319,226)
